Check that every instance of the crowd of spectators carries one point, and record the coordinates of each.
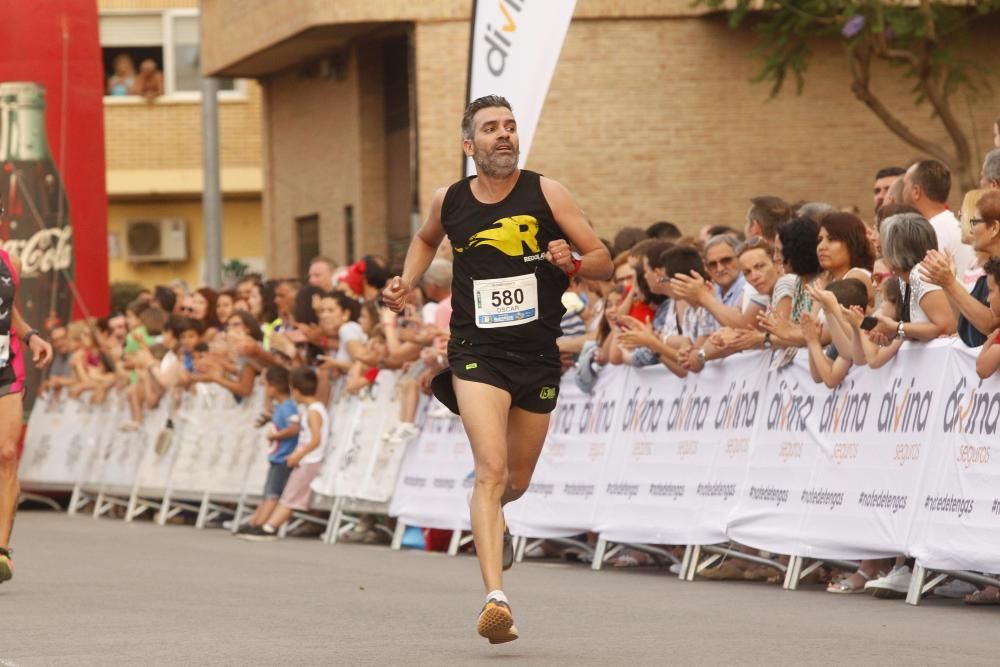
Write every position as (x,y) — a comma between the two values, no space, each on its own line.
(791,275)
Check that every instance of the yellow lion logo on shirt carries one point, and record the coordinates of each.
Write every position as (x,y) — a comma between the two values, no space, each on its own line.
(508,235)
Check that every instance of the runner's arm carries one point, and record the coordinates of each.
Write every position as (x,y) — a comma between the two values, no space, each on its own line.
(425,243)
(595,258)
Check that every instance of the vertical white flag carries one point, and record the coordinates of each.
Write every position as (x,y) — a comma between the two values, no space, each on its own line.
(514,51)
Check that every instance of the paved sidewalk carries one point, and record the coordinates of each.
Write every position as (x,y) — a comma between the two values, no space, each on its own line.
(105,593)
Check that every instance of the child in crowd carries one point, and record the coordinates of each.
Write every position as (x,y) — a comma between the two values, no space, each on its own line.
(305,461)
(282,432)
(88,363)
(148,331)
(830,364)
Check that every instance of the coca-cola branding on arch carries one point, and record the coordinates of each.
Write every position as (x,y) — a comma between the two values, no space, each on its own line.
(45,251)
(52,170)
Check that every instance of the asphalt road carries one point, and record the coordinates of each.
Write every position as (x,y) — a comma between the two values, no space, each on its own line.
(102,592)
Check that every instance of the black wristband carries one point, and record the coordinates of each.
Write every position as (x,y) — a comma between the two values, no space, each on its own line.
(27,336)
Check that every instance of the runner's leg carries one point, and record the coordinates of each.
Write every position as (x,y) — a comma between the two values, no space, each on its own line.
(484,409)
(11,415)
(525,436)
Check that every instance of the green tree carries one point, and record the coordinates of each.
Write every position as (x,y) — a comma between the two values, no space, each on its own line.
(917,37)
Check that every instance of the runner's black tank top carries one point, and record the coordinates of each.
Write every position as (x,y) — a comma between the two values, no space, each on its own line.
(504,240)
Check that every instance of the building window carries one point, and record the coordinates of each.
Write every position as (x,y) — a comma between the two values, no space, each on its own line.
(307,236)
(166,42)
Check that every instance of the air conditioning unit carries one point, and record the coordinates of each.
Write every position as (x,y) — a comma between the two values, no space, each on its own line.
(162,240)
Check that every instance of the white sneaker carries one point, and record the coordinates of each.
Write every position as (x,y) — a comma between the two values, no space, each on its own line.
(228,525)
(894,585)
(675,568)
(956,589)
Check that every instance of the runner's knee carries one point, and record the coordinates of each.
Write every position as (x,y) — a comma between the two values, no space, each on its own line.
(8,454)
(492,472)
(517,484)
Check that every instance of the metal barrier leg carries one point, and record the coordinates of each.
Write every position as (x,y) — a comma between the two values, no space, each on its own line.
(74,501)
(237,516)
(161,517)
(397,536)
(199,523)
(133,500)
(685,563)
(692,570)
(520,546)
(916,585)
(599,551)
(455,543)
(793,573)
(98,509)
(336,514)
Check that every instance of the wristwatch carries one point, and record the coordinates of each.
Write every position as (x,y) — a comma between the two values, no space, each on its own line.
(701,356)
(29,334)
(900,332)
(767,339)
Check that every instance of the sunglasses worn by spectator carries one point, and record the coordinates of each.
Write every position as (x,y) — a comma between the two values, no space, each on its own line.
(723,263)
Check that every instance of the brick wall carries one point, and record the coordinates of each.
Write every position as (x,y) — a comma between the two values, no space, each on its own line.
(646,119)
(313,156)
(166,134)
(651,119)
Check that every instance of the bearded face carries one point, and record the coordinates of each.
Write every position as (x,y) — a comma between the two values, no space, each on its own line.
(495,146)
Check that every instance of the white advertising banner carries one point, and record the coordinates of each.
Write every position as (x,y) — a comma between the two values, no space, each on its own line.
(562,498)
(514,50)
(837,473)
(154,471)
(375,414)
(57,450)
(679,457)
(959,523)
(436,476)
(119,453)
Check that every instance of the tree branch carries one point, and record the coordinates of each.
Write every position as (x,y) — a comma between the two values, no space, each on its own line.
(861,73)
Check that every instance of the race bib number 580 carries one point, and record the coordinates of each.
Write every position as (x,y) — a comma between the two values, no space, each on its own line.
(505,302)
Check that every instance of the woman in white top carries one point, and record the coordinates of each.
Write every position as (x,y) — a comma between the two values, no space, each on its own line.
(926,313)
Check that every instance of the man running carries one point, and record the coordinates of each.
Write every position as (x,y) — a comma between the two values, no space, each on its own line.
(15,334)
(511,231)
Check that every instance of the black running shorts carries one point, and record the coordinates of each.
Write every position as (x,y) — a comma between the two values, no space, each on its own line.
(532,380)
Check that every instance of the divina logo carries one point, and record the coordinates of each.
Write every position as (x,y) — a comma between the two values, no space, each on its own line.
(976,415)
(738,409)
(789,410)
(904,413)
(844,411)
(593,417)
(688,411)
(642,415)
(499,44)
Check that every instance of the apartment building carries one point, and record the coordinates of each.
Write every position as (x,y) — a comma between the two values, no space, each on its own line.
(651,115)
(154,152)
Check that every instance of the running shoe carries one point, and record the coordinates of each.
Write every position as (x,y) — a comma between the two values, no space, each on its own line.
(496,622)
(508,549)
(6,565)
